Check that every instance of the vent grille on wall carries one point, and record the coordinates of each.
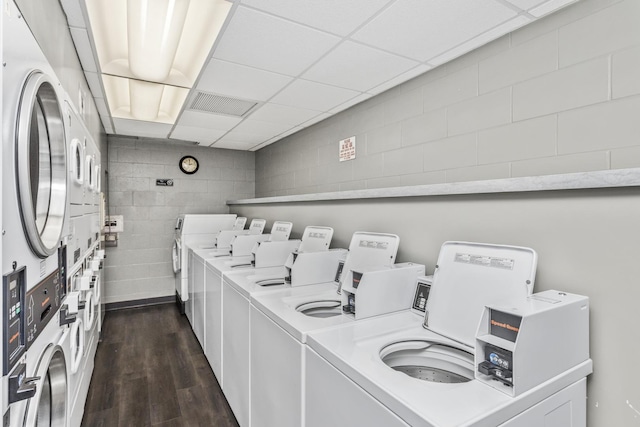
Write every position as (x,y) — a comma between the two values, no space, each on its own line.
(217,104)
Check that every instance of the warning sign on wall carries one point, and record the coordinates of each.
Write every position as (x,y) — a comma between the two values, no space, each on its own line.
(348,149)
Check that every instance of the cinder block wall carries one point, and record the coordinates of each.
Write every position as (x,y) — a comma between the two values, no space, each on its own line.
(140,267)
(561,95)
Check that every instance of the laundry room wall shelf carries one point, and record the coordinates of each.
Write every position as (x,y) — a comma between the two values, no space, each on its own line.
(572,181)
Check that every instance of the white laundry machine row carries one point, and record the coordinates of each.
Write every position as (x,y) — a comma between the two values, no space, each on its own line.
(83,310)
(485,352)
(39,237)
(228,322)
(34,209)
(194,231)
(241,256)
(267,253)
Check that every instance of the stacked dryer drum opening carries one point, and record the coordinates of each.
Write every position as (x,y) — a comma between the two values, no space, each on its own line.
(41,165)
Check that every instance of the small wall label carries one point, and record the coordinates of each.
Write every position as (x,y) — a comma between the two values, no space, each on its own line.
(164,182)
(348,149)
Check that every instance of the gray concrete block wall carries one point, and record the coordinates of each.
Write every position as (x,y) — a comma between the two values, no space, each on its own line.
(558,96)
(141,266)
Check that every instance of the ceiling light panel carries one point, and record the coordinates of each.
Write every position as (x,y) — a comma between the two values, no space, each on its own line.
(226,78)
(269,43)
(358,67)
(335,16)
(174,43)
(165,100)
(426,26)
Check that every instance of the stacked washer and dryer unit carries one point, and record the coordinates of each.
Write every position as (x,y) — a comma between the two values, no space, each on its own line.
(50,294)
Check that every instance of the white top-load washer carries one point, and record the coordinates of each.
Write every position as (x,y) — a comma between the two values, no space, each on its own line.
(196,258)
(268,249)
(280,321)
(194,231)
(229,345)
(487,353)
(222,244)
(261,278)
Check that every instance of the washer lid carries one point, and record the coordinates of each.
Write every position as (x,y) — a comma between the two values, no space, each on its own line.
(470,276)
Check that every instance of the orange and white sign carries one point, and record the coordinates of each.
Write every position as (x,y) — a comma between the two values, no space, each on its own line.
(348,149)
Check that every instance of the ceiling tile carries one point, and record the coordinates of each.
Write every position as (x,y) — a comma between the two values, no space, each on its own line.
(313,96)
(197,134)
(350,103)
(264,41)
(260,127)
(424,29)
(550,6)
(95,85)
(255,137)
(83,47)
(239,81)
(334,16)
(102,107)
(107,126)
(73,11)
(420,69)
(526,4)
(283,114)
(358,67)
(480,40)
(207,120)
(140,128)
(318,119)
(232,145)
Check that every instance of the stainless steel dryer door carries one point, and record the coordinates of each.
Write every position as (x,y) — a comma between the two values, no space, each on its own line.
(41,164)
(49,405)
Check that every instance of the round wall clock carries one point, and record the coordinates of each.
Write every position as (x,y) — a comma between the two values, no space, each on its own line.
(189,165)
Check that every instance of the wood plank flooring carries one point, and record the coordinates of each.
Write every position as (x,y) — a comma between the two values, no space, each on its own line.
(150,371)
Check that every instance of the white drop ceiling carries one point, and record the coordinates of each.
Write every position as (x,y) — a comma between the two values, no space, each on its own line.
(301,61)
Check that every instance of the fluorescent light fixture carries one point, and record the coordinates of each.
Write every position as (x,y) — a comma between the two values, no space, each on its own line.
(139,100)
(160,46)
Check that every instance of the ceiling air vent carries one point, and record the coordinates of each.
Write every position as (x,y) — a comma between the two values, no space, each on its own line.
(217,104)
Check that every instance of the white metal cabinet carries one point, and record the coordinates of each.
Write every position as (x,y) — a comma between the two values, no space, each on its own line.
(196,277)
(213,320)
(332,399)
(276,366)
(235,353)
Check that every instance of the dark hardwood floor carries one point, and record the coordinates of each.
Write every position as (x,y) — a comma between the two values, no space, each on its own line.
(150,371)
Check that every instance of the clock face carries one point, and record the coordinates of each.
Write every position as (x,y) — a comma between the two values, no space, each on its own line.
(189,164)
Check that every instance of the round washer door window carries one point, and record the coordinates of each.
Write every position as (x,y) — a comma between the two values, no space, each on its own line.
(41,164)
